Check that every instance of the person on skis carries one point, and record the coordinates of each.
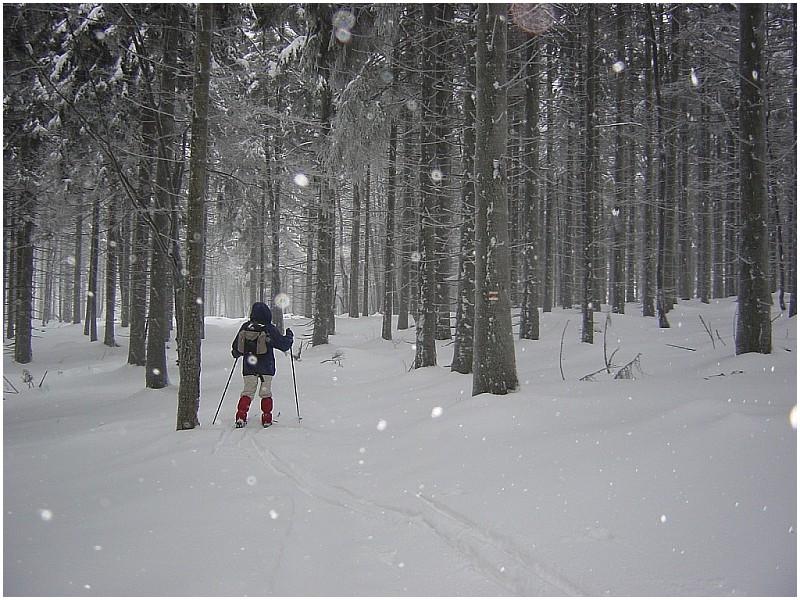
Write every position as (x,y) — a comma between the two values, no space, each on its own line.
(254,341)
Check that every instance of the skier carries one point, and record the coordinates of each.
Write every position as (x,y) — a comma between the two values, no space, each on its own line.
(255,341)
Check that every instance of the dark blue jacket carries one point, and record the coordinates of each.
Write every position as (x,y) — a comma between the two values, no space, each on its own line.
(261,320)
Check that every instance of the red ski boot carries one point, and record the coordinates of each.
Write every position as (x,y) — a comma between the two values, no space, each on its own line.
(241,411)
(266,412)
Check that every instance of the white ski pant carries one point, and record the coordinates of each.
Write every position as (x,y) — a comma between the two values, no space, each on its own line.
(251,384)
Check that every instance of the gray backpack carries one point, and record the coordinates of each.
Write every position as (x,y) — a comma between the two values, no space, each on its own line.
(252,342)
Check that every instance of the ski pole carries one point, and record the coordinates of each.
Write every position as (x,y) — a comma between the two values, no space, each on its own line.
(233,368)
(294,379)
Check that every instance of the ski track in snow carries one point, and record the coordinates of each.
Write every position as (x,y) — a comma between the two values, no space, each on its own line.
(489,552)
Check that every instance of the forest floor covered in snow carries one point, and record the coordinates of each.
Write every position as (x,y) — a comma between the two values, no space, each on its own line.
(682,481)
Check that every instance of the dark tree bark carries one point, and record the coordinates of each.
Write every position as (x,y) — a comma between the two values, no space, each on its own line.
(112,252)
(124,251)
(308,298)
(137,349)
(367,240)
(324,298)
(661,201)
(618,211)
(77,276)
(10,267)
(355,251)
(549,203)
(494,362)
(388,262)
(529,311)
(90,325)
(704,211)
(754,328)
(590,190)
(648,245)
(792,195)
(465,310)
(407,225)
(444,16)
(190,343)
(23,283)
(156,376)
(426,322)
(274,189)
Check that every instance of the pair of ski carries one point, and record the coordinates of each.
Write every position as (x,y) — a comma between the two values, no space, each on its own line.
(241,424)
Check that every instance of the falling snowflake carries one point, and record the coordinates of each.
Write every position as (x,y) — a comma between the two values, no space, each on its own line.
(533,18)
(381,425)
(45,514)
(343,22)
(282,301)
(436,412)
(301,179)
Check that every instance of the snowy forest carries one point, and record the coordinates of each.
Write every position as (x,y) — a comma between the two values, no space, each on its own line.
(455,167)
(539,261)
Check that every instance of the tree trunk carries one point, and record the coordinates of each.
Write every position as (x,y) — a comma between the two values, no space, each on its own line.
(323,300)
(529,311)
(355,251)
(618,211)
(367,239)
(441,172)
(426,322)
(112,251)
(388,263)
(754,328)
(10,256)
(190,343)
(792,187)
(494,363)
(648,246)
(124,249)
(274,188)
(308,298)
(465,309)
(549,196)
(137,349)
(590,191)
(156,376)
(704,210)
(90,325)
(661,201)
(408,222)
(23,283)
(731,214)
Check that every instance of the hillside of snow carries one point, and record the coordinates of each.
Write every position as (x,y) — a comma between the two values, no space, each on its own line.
(682,481)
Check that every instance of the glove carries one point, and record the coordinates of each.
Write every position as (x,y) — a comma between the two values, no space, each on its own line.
(289,332)
(234,354)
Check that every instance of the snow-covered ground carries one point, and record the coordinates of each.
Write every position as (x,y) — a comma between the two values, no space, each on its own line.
(681,482)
